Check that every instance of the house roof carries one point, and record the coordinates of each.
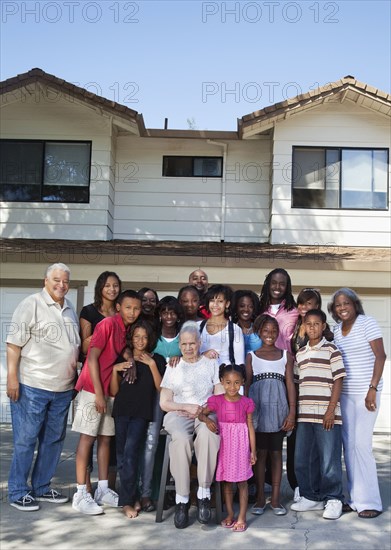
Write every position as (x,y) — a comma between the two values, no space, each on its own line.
(348,88)
(190,252)
(39,77)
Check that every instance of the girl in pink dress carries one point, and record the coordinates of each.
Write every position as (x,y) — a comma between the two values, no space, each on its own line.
(237,440)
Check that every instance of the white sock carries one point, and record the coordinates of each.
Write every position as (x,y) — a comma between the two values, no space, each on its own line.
(179,499)
(81,488)
(103,484)
(203,492)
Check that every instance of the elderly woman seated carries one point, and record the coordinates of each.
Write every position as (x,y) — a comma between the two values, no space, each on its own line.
(185,389)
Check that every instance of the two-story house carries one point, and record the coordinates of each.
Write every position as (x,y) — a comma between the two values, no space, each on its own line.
(302,184)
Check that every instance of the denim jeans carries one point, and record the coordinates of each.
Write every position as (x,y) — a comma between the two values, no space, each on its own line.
(148,456)
(38,415)
(129,434)
(313,442)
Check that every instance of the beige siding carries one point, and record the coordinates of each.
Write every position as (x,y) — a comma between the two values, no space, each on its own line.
(61,119)
(335,124)
(136,273)
(150,206)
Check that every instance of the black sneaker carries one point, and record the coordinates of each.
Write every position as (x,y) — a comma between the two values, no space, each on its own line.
(26,503)
(52,496)
(181,518)
(204,512)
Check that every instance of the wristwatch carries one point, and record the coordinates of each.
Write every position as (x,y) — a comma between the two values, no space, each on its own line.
(372,387)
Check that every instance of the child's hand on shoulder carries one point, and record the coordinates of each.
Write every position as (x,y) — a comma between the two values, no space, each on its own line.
(121,367)
(211,354)
(173,361)
(127,353)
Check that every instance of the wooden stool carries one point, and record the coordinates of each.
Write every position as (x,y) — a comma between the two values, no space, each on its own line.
(166,486)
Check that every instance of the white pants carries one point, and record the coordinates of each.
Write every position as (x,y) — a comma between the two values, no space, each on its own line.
(357,431)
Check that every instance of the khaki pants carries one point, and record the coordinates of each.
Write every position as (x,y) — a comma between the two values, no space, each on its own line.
(206,445)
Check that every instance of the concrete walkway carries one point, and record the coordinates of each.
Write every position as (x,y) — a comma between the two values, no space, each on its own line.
(60,527)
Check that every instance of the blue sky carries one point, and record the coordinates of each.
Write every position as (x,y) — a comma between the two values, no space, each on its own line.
(208,61)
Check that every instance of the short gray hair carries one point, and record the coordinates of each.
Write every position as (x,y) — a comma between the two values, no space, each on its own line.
(349,293)
(60,266)
(190,327)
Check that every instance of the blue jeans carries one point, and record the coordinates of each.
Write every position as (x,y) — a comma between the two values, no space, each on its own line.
(151,443)
(313,442)
(38,415)
(129,434)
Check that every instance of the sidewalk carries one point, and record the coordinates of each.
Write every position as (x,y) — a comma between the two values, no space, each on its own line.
(60,527)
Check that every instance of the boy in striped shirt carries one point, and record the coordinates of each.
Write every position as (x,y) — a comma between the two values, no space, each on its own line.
(318,439)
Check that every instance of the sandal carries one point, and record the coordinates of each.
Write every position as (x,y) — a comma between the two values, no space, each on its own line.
(228,523)
(147,505)
(239,527)
(369,514)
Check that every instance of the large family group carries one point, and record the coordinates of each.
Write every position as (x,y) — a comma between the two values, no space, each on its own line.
(227,374)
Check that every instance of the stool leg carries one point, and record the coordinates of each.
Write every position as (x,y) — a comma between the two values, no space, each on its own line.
(163,482)
(219,503)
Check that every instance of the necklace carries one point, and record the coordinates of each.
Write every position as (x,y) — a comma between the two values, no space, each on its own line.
(247,330)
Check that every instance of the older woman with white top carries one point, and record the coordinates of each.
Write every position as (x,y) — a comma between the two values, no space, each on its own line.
(184,390)
(360,341)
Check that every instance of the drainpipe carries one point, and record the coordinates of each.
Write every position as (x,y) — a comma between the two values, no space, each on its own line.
(223,185)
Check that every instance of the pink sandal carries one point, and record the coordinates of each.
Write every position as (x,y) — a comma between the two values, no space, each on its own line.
(228,523)
(239,527)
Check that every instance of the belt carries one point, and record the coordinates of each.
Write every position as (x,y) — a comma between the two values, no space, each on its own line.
(268,375)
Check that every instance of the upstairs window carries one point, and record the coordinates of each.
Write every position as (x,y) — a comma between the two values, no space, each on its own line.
(193,167)
(45,171)
(342,178)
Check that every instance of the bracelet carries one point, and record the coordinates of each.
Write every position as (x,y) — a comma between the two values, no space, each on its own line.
(372,387)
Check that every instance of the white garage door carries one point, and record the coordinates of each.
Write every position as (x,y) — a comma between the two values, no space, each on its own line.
(9,299)
(379,307)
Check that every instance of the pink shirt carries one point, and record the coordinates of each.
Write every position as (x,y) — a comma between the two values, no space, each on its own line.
(286,323)
(110,337)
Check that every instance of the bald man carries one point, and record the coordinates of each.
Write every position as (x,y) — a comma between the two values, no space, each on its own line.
(199,279)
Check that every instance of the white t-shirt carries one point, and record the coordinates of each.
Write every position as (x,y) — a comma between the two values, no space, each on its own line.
(357,353)
(220,343)
(192,383)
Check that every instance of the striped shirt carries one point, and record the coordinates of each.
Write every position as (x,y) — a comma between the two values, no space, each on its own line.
(319,367)
(357,353)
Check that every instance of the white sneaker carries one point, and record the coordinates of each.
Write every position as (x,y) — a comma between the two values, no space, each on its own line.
(333,509)
(296,495)
(84,503)
(108,497)
(306,505)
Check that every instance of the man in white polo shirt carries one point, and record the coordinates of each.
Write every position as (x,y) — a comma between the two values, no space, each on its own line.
(42,351)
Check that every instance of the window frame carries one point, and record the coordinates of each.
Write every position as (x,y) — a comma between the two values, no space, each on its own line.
(86,188)
(340,149)
(193,159)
